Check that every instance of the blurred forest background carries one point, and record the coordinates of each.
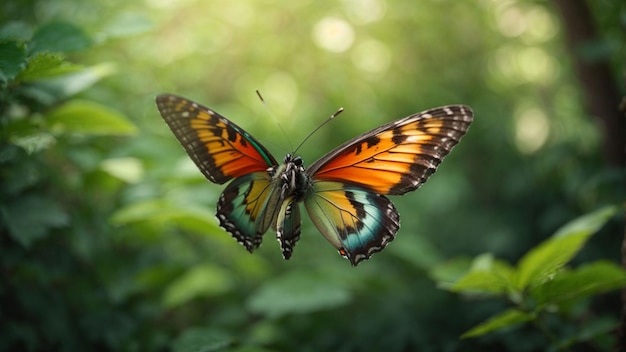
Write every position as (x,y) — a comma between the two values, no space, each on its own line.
(108,234)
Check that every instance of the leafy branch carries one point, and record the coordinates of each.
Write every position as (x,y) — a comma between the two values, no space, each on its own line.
(541,284)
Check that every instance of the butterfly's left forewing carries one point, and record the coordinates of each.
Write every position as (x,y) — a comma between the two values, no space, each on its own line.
(347,203)
(223,151)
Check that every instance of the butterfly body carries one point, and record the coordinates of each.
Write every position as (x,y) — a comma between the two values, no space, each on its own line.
(343,192)
(253,203)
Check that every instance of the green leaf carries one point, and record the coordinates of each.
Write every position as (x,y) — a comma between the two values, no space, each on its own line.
(487,275)
(590,330)
(162,211)
(59,37)
(448,273)
(249,349)
(588,223)
(144,210)
(16,30)
(418,251)
(543,261)
(505,319)
(298,292)
(588,280)
(69,84)
(127,169)
(201,281)
(12,60)
(86,117)
(29,218)
(35,142)
(201,339)
(46,65)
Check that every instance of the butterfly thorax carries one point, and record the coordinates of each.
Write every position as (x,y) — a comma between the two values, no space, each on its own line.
(292,178)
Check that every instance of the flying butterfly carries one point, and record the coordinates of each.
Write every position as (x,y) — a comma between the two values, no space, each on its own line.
(344,192)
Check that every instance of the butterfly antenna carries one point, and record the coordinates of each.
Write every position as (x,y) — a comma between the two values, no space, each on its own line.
(280,127)
(339,111)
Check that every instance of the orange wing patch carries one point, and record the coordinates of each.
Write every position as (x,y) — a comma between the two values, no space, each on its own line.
(220,149)
(399,157)
(232,153)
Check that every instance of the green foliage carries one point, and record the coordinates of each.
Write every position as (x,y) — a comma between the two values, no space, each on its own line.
(298,293)
(85,117)
(540,284)
(26,226)
(58,37)
(202,340)
(505,319)
(51,231)
(12,59)
(108,238)
(45,65)
(201,281)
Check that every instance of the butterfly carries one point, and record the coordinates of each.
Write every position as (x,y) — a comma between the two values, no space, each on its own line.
(344,192)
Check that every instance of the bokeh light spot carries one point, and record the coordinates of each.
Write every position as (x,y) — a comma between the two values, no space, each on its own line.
(280,90)
(535,65)
(542,26)
(333,34)
(511,22)
(371,56)
(365,11)
(532,24)
(531,129)
(521,64)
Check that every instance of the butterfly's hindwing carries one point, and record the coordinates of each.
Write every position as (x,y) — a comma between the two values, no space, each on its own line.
(398,157)
(221,149)
(242,208)
(355,220)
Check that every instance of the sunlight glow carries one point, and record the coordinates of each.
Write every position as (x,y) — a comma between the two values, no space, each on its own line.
(333,34)
(531,129)
(511,22)
(542,26)
(168,4)
(126,169)
(372,56)
(523,64)
(239,13)
(365,11)
(281,91)
(535,65)
(532,24)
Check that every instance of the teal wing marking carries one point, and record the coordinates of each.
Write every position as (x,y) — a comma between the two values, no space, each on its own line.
(355,220)
(242,208)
